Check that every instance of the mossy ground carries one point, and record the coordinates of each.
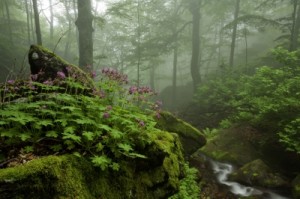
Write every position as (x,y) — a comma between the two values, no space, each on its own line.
(68,176)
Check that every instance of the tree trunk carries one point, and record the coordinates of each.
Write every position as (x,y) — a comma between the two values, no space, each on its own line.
(85,28)
(174,79)
(195,9)
(9,22)
(28,22)
(31,21)
(68,42)
(51,19)
(139,44)
(236,14)
(295,29)
(37,22)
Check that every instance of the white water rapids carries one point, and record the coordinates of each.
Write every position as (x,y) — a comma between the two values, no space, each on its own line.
(222,170)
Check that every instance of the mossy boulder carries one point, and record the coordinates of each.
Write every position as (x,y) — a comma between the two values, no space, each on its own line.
(191,138)
(47,66)
(258,173)
(296,187)
(231,145)
(68,176)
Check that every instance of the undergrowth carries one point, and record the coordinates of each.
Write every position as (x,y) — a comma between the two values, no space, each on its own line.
(59,116)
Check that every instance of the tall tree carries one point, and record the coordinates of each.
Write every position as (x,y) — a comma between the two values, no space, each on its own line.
(27,22)
(84,24)
(37,22)
(295,26)
(195,10)
(51,19)
(9,22)
(236,15)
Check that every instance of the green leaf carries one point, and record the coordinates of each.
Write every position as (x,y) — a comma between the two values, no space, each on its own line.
(72,137)
(88,135)
(115,166)
(62,121)
(116,134)
(99,147)
(28,149)
(125,147)
(53,134)
(25,136)
(69,130)
(101,161)
(56,147)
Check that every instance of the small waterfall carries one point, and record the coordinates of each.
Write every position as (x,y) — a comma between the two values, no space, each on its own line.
(222,170)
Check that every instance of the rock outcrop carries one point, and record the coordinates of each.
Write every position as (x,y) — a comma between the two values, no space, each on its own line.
(68,176)
(191,138)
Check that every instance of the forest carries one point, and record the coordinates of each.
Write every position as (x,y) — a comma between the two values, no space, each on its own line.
(177,99)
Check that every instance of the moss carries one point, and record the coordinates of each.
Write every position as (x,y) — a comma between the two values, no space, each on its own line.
(68,176)
(296,187)
(41,59)
(60,176)
(191,138)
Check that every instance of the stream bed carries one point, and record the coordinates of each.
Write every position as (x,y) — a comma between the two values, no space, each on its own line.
(222,170)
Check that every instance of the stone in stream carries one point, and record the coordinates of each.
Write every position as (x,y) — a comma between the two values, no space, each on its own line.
(257,173)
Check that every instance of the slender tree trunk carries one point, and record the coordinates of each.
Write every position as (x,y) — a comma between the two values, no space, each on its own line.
(51,19)
(295,33)
(246,47)
(174,79)
(236,14)
(76,15)
(152,76)
(31,21)
(85,28)
(9,22)
(139,44)
(68,42)
(195,9)
(28,22)
(37,23)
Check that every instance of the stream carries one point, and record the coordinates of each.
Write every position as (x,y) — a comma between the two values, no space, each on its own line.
(222,170)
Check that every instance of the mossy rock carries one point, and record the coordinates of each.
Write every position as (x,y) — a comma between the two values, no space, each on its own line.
(46,65)
(191,138)
(231,145)
(296,187)
(68,176)
(257,173)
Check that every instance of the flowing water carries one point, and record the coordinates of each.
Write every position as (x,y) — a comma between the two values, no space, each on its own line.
(222,170)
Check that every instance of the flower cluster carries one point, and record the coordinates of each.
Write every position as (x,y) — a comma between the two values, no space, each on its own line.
(113,74)
(141,90)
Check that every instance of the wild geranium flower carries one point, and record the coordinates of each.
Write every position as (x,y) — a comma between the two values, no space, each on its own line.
(48,82)
(113,74)
(106,115)
(109,107)
(93,74)
(34,77)
(132,89)
(141,123)
(11,81)
(157,115)
(61,75)
(69,69)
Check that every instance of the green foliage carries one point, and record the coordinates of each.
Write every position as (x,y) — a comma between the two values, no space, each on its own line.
(52,118)
(268,100)
(188,188)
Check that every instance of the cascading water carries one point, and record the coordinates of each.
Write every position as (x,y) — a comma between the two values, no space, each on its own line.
(222,170)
